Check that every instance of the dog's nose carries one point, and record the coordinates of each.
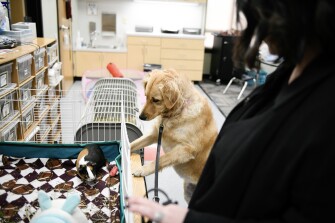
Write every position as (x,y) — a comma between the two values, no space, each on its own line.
(143,117)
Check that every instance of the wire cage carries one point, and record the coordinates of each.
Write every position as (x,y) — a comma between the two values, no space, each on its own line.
(101,119)
(49,115)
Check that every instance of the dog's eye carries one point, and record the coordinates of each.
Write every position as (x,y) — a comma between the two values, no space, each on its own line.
(155,100)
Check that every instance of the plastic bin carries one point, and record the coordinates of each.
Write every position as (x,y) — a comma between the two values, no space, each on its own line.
(52,53)
(7,111)
(25,94)
(54,111)
(27,118)
(39,58)
(5,75)
(52,93)
(54,74)
(39,85)
(41,103)
(44,126)
(24,67)
(9,132)
(21,35)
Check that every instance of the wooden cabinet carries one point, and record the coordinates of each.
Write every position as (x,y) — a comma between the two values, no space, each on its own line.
(86,60)
(143,50)
(184,55)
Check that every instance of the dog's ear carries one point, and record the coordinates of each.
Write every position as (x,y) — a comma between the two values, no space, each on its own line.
(145,80)
(170,93)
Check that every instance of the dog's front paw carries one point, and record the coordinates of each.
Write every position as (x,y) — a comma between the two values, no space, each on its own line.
(141,171)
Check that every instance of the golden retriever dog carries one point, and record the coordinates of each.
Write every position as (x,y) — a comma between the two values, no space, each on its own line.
(189,129)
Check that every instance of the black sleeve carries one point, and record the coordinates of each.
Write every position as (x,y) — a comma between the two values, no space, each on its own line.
(312,194)
(290,216)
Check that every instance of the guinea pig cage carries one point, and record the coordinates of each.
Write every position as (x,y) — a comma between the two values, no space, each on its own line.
(42,131)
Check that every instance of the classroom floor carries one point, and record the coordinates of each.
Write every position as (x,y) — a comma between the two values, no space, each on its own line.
(168,180)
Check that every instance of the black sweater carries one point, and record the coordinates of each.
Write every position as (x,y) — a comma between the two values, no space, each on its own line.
(274,159)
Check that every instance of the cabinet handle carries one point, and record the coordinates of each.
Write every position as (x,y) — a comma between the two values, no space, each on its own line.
(224,59)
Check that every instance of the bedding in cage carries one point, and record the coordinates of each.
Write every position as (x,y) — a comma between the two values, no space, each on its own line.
(26,168)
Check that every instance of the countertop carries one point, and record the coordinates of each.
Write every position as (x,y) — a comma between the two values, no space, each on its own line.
(166,35)
(144,34)
(101,49)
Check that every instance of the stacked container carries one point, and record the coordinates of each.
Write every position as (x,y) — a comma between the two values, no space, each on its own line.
(39,58)
(52,53)
(27,118)
(25,94)
(24,67)
(9,132)
(6,78)
(7,111)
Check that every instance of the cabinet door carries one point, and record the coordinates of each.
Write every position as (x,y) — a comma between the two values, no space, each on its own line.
(119,59)
(152,54)
(135,57)
(87,61)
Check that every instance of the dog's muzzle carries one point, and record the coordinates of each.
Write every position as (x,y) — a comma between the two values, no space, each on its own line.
(143,117)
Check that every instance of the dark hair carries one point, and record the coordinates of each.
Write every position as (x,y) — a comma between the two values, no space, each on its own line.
(288,24)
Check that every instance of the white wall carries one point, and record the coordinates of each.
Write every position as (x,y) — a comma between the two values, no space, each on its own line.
(130,13)
(49,15)
(219,15)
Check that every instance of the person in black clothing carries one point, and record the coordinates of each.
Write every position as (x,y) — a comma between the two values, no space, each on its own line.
(273,160)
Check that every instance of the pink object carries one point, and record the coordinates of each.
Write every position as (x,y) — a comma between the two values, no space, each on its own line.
(113,171)
(150,153)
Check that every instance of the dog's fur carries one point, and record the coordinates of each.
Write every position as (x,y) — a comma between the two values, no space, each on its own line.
(189,127)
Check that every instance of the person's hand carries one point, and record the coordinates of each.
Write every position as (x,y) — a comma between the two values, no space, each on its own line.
(156,212)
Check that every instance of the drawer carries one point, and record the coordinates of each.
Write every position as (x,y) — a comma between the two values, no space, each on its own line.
(193,75)
(182,64)
(152,41)
(182,54)
(192,44)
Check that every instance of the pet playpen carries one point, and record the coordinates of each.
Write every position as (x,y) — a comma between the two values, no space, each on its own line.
(42,131)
